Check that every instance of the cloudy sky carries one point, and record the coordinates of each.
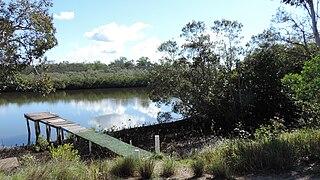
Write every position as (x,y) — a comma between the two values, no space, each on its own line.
(105,30)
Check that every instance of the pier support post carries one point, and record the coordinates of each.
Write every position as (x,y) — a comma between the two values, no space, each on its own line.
(37,130)
(62,135)
(29,132)
(58,135)
(48,131)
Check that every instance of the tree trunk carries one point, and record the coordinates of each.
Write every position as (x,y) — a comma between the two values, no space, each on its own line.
(314,23)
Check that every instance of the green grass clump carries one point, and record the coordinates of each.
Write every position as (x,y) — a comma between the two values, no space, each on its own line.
(277,152)
(168,168)
(158,156)
(124,167)
(53,170)
(216,162)
(197,165)
(146,168)
(305,143)
(248,155)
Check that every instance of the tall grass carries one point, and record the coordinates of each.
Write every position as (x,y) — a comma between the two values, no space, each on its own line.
(146,168)
(197,165)
(124,167)
(53,170)
(168,168)
(276,153)
(216,162)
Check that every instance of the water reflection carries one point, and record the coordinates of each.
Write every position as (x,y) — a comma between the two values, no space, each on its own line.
(102,109)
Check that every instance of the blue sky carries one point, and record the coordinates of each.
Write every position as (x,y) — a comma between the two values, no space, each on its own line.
(104,30)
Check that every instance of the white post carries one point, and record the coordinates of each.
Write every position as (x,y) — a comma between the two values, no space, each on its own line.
(130,142)
(137,152)
(157,143)
(90,144)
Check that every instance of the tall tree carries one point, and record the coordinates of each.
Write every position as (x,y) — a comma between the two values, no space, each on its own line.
(312,9)
(198,74)
(26,33)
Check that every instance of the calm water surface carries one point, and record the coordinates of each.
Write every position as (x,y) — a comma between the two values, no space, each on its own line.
(101,109)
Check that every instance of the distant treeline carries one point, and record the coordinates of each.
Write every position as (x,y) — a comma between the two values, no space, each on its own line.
(65,75)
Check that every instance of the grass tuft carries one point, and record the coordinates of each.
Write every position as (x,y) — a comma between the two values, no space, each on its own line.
(146,168)
(124,167)
(168,168)
(197,165)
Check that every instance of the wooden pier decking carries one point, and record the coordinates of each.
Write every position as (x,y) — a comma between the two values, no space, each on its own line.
(62,125)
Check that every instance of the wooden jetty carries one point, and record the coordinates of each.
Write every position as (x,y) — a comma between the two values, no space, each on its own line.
(62,125)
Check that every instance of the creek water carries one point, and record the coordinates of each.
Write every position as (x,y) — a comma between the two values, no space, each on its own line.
(98,108)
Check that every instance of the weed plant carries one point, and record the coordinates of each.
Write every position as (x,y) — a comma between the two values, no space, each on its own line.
(64,152)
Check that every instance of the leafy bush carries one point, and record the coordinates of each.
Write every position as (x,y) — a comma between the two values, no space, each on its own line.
(41,145)
(124,167)
(64,152)
(146,168)
(168,168)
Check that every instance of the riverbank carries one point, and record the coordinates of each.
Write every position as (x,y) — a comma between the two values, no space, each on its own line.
(277,155)
(43,166)
(181,137)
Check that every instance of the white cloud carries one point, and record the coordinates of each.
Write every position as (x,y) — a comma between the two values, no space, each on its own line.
(64,16)
(147,48)
(111,41)
(117,120)
(114,33)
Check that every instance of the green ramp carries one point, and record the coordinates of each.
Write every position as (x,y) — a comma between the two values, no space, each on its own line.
(115,145)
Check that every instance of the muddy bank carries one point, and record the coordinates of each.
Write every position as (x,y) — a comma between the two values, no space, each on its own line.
(180,136)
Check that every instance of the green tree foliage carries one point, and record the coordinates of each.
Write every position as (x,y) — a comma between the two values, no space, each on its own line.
(261,87)
(196,78)
(205,79)
(67,75)
(26,33)
(304,88)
